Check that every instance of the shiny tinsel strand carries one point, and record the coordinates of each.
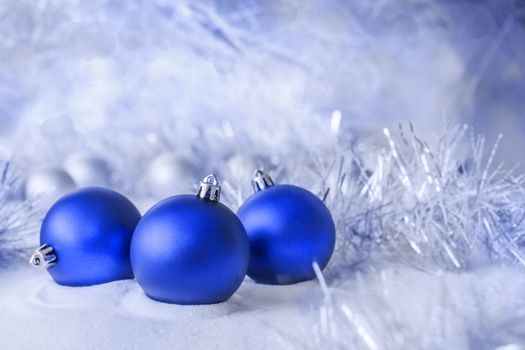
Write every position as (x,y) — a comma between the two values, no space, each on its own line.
(19,219)
(440,204)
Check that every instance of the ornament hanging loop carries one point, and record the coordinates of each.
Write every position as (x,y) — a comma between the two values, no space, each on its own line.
(43,258)
(209,189)
(261,181)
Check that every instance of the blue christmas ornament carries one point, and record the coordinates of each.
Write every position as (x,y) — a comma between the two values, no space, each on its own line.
(86,237)
(190,249)
(289,229)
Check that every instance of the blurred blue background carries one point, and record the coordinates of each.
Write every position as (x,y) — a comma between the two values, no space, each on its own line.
(111,66)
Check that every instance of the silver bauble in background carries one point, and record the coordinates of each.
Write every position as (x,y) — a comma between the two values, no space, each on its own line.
(169,174)
(46,185)
(88,169)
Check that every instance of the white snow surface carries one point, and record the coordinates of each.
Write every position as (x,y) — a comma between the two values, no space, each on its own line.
(38,313)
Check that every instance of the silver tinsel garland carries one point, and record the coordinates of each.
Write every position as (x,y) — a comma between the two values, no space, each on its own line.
(436,206)
(19,218)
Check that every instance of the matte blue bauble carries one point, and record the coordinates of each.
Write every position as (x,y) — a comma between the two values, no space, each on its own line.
(188,250)
(90,232)
(289,228)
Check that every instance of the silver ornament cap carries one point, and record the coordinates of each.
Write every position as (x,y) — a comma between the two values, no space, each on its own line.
(261,181)
(43,258)
(209,189)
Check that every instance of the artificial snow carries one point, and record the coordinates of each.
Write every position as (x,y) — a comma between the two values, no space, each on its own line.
(436,310)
